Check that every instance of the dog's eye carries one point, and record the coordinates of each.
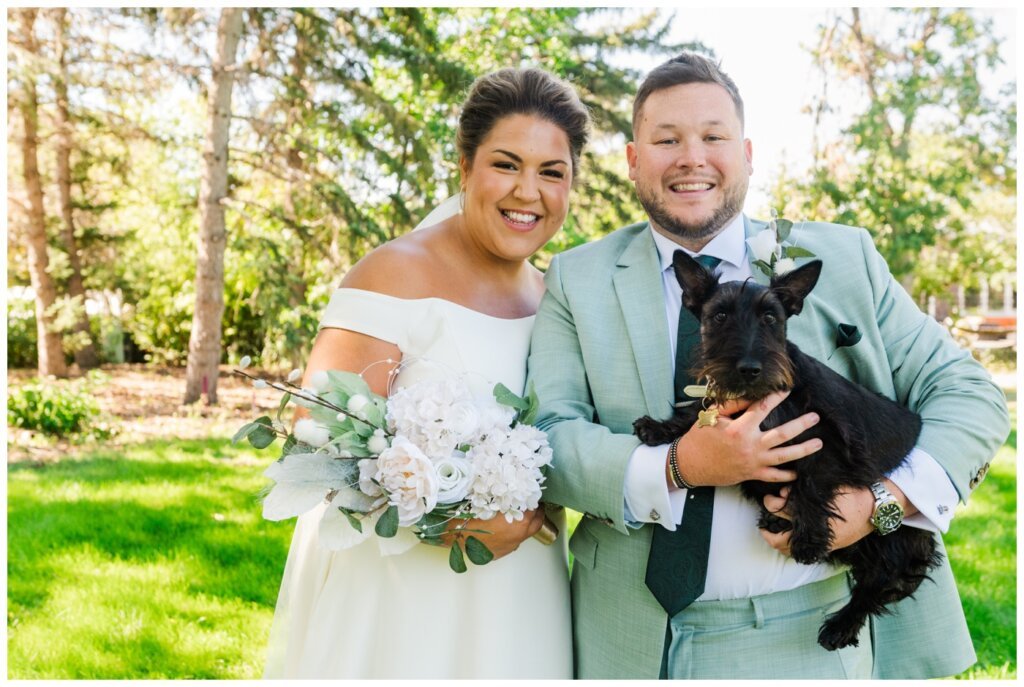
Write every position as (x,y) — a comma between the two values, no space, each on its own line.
(720,317)
(769,318)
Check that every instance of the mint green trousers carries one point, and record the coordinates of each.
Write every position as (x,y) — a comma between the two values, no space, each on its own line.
(766,637)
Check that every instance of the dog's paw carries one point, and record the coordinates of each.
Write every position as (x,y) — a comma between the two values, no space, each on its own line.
(651,431)
(839,632)
(807,552)
(773,523)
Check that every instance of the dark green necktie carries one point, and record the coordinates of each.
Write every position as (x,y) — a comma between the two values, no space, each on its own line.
(678,563)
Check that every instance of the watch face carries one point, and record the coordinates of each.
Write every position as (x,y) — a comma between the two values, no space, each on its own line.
(888,517)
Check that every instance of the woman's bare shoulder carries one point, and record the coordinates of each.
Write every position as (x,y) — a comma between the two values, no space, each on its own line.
(404,267)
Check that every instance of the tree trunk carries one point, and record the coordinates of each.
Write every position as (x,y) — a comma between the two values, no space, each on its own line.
(50,349)
(204,342)
(85,354)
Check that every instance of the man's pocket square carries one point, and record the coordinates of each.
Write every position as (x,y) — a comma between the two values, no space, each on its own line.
(847,335)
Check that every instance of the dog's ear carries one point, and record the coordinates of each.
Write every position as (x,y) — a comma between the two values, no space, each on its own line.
(697,281)
(792,287)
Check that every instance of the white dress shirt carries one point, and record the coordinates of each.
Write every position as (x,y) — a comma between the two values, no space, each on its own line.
(741,564)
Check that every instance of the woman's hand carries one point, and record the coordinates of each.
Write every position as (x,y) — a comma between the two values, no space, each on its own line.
(498,535)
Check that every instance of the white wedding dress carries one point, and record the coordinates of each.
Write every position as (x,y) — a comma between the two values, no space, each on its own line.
(360,613)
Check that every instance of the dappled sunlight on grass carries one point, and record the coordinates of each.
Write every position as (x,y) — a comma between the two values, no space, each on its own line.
(151,564)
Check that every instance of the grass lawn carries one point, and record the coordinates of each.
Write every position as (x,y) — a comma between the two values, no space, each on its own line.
(151,563)
(154,562)
(982,546)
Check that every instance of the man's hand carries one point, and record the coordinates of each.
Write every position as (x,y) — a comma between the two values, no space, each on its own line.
(502,537)
(856,505)
(736,450)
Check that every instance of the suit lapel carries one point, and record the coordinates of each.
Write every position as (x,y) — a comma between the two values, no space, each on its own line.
(638,286)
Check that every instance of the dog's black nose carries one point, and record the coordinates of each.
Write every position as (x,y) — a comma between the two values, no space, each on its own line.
(750,369)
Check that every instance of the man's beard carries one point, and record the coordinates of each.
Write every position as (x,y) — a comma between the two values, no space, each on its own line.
(732,205)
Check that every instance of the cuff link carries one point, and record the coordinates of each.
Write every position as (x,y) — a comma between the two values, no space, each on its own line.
(655,515)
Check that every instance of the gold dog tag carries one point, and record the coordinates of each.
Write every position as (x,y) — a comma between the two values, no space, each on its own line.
(707,418)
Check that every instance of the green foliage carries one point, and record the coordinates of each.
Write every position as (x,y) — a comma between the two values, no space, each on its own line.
(387,524)
(21,334)
(57,408)
(928,164)
(478,551)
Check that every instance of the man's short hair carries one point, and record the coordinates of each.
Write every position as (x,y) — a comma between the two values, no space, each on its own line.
(682,69)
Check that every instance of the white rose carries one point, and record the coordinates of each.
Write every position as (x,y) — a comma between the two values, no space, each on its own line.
(463,421)
(311,432)
(454,477)
(378,443)
(762,245)
(408,476)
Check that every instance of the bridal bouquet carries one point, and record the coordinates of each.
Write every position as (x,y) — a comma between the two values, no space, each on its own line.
(430,455)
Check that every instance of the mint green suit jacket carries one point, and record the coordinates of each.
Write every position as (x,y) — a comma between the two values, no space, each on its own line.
(600,358)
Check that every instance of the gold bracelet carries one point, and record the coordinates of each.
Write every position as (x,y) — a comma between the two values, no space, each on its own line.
(673,466)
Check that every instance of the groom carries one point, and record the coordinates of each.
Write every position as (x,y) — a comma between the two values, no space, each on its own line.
(732,604)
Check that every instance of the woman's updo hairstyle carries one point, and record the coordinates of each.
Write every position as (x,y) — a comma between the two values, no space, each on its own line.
(526,92)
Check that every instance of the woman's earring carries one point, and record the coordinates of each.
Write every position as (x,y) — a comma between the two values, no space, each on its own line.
(462,201)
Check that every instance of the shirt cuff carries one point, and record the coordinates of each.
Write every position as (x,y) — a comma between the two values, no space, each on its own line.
(928,487)
(646,496)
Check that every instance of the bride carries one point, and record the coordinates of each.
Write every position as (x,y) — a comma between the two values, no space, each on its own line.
(456,297)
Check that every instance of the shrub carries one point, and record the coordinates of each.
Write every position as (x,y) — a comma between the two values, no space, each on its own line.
(56,408)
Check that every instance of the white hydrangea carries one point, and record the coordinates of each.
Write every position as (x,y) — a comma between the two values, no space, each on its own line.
(508,472)
(436,416)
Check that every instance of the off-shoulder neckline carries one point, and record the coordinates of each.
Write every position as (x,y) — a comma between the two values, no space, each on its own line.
(441,300)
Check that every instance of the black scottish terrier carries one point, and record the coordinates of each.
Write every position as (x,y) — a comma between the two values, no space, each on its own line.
(745,353)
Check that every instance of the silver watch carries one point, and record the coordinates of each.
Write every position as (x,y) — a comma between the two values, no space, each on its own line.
(888,515)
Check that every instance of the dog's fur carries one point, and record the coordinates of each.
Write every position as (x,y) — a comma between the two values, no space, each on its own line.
(865,435)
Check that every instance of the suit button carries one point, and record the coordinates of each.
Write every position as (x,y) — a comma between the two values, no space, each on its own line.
(979,476)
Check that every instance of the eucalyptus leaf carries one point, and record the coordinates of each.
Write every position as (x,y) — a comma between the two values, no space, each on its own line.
(263,434)
(356,523)
(284,402)
(289,446)
(478,551)
(796,252)
(783,227)
(243,432)
(529,416)
(506,397)
(387,525)
(763,266)
(455,559)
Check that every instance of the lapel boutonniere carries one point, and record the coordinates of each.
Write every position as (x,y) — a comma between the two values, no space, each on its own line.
(772,255)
